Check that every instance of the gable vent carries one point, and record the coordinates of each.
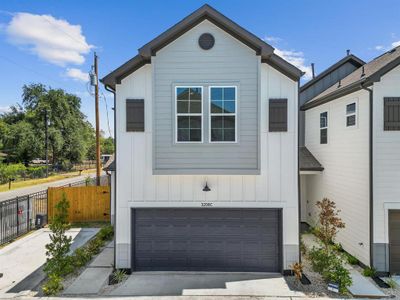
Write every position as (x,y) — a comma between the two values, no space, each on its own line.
(206,41)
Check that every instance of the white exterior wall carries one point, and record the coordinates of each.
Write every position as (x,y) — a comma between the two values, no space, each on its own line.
(386,158)
(345,179)
(276,187)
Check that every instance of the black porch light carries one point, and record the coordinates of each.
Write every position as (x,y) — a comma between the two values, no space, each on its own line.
(206,188)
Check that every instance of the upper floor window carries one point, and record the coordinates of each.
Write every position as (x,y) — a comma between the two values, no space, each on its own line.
(391,113)
(351,114)
(323,127)
(189,114)
(223,109)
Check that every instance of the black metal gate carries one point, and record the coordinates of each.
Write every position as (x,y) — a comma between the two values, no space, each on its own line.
(17,215)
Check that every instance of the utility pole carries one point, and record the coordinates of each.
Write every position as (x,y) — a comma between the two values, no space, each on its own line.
(46,125)
(96,95)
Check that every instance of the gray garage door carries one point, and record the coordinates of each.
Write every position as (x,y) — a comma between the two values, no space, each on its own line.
(394,241)
(238,240)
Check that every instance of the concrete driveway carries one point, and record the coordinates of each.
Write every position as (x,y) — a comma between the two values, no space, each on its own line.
(205,284)
(21,261)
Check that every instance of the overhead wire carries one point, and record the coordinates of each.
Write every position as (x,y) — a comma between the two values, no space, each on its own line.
(108,119)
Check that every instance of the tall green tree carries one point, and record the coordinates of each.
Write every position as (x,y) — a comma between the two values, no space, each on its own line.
(22,131)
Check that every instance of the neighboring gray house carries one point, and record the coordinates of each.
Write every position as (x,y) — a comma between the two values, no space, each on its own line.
(206,158)
(352,128)
(324,80)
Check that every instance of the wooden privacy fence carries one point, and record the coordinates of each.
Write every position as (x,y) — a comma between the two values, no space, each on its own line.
(86,203)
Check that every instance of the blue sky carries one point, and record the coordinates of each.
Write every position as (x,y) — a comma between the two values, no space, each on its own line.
(52,42)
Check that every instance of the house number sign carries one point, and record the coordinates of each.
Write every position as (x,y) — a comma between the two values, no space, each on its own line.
(206,204)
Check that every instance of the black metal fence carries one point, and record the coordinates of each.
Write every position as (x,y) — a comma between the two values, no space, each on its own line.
(18,215)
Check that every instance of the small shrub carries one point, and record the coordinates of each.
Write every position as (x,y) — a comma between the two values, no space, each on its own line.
(338,274)
(338,248)
(94,246)
(58,262)
(320,260)
(329,222)
(118,276)
(81,257)
(53,286)
(297,269)
(351,259)
(391,283)
(369,272)
(106,233)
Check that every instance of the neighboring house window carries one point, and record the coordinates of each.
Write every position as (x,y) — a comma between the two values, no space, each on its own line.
(135,115)
(189,114)
(223,108)
(324,128)
(391,113)
(351,114)
(278,115)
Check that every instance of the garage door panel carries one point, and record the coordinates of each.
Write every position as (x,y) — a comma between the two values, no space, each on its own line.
(207,239)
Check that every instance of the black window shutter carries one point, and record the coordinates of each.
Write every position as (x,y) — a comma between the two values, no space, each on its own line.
(135,115)
(278,115)
(391,113)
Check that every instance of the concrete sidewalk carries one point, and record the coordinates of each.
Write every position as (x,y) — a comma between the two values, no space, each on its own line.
(21,261)
(174,298)
(95,276)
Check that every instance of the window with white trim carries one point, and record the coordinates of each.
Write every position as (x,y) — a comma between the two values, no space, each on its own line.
(323,127)
(189,114)
(223,113)
(351,116)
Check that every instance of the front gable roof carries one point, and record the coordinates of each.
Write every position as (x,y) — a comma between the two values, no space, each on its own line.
(364,76)
(206,12)
(354,60)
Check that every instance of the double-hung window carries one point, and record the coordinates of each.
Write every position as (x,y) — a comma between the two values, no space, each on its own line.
(223,114)
(351,119)
(323,127)
(189,114)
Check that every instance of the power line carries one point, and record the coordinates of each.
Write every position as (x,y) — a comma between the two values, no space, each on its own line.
(108,120)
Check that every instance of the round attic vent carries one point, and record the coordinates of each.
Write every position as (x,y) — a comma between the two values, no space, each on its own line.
(206,41)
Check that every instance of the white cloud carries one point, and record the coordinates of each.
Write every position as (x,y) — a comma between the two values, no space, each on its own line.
(4,109)
(53,40)
(297,59)
(396,44)
(388,47)
(77,74)
(294,57)
(272,39)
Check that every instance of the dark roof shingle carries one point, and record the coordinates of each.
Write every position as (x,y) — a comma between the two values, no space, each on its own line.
(363,76)
(307,161)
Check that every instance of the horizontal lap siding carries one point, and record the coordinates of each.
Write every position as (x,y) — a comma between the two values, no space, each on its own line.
(228,63)
(345,178)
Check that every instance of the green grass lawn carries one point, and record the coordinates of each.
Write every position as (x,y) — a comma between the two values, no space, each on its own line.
(31,182)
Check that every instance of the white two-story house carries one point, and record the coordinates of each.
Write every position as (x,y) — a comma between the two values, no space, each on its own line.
(352,128)
(206,169)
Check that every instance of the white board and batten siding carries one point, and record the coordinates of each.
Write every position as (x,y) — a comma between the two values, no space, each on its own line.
(386,158)
(345,178)
(275,187)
